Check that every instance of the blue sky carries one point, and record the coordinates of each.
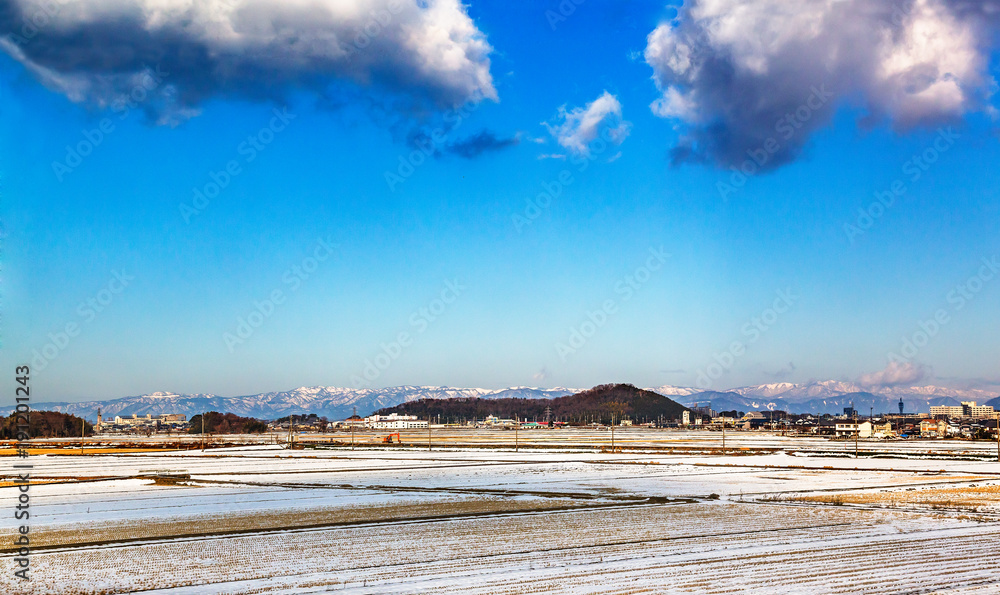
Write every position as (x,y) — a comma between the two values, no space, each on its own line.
(508,284)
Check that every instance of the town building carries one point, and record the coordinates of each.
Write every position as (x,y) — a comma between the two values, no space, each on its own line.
(933,428)
(171,418)
(723,419)
(848,429)
(395,421)
(966,409)
(146,422)
(882,431)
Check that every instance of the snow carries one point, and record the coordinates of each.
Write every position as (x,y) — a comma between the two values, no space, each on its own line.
(720,524)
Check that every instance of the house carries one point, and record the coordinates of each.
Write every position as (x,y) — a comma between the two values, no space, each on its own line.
(355,421)
(755,423)
(848,429)
(933,428)
(882,431)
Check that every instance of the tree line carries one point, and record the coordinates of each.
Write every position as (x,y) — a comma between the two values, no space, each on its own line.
(47,424)
(226,423)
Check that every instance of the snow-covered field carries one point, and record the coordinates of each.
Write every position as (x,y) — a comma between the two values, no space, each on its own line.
(797,517)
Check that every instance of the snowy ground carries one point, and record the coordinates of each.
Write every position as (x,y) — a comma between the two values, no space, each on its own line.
(797,517)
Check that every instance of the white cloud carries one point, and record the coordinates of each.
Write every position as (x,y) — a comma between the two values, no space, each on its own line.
(730,70)
(894,374)
(575,129)
(91,50)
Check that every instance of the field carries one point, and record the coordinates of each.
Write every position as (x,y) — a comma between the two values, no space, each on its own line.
(665,512)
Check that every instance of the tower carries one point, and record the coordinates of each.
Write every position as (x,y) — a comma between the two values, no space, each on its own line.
(901,405)
(98,428)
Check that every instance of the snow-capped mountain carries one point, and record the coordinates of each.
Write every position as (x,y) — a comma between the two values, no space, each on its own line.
(831,388)
(332,402)
(675,391)
(832,396)
(828,396)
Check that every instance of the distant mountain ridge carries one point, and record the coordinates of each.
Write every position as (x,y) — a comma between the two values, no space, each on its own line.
(832,396)
(828,396)
(329,401)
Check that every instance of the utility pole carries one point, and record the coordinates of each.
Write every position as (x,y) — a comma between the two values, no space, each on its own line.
(998,437)
(83,433)
(612,432)
(354,418)
(517,423)
(428,432)
(856,432)
(723,437)
(202,431)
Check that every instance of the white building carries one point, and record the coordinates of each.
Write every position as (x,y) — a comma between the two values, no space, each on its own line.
(966,409)
(850,428)
(135,420)
(149,420)
(978,411)
(493,421)
(394,421)
(947,411)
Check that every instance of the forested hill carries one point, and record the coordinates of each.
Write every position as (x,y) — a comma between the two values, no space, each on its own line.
(45,424)
(598,404)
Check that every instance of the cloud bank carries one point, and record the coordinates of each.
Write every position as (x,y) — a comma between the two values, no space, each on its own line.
(742,76)
(895,374)
(430,52)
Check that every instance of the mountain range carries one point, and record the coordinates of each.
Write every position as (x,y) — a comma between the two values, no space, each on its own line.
(331,402)
(829,396)
(832,396)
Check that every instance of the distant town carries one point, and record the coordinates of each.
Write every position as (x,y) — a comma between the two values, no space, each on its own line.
(969,421)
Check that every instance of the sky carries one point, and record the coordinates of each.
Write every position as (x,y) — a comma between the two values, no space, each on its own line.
(235,197)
